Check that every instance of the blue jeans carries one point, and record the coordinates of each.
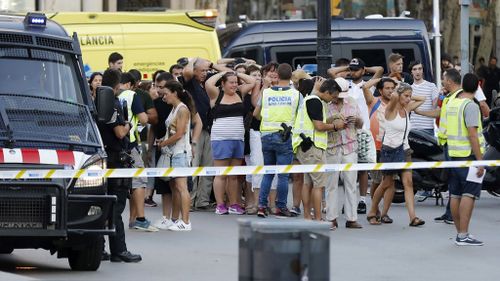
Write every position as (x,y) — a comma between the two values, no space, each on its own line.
(276,152)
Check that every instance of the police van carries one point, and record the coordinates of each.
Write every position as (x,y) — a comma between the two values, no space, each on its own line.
(47,123)
(148,40)
(294,41)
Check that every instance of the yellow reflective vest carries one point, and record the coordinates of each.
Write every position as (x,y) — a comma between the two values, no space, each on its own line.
(304,124)
(278,106)
(457,134)
(442,117)
(128,96)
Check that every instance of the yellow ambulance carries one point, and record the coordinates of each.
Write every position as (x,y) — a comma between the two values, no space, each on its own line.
(148,41)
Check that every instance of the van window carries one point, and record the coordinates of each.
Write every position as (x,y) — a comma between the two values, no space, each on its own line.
(408,55)
(294,55)
(378,56)
(371,57)
(249,53)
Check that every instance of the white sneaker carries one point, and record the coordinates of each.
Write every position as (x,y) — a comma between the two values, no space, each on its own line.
(180,226)
(163,223)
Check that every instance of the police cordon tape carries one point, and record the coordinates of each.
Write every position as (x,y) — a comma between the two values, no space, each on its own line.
(234,170)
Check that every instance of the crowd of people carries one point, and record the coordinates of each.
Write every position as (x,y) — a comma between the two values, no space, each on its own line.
(234,112)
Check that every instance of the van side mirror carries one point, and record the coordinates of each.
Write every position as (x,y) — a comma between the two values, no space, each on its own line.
(104,101)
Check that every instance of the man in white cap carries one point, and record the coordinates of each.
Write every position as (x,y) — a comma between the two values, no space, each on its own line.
(342,148)
(358,70)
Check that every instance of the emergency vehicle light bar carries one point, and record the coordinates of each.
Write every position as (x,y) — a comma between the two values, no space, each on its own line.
(35,20)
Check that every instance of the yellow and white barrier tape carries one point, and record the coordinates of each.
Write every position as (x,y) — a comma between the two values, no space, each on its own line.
(234,170)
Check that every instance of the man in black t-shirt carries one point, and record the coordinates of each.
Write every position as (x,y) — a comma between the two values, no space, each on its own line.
(311,148)
(149,108)
(158,131)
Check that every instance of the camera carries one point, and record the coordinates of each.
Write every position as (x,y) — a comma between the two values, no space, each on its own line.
(126,159)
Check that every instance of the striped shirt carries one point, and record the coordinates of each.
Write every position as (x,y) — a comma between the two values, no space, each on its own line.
(430,92)
(228,122)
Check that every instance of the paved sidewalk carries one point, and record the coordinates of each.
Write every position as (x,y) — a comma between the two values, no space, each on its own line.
(375,253)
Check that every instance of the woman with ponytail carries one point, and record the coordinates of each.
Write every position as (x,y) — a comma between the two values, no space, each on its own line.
(178,141)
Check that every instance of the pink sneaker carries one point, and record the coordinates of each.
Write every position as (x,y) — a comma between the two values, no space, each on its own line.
(236,209)
(221,210)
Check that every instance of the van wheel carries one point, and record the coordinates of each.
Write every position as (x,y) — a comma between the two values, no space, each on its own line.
(399,194)
(87,258)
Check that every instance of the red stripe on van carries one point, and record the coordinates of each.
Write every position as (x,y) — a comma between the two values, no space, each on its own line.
(1,156)
(31,156)
(65,157)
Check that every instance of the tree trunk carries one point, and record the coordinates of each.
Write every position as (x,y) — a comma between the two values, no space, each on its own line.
(451,28)
(488,34)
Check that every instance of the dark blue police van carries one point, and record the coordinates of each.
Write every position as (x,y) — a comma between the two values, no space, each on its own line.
(294,41)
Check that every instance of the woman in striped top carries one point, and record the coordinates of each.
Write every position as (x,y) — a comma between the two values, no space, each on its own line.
(227,135)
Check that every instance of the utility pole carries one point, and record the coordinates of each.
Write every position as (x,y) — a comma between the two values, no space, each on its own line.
(324,41)
(437,42)
(464,36)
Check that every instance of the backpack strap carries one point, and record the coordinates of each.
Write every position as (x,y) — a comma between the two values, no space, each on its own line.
(375,107)
(219,98)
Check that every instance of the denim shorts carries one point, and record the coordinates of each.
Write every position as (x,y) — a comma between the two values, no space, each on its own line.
(180,160)
(391,155)
(228,149)
(458,185)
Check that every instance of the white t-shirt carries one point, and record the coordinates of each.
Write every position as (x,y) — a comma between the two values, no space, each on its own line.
(479,95)
(356,92)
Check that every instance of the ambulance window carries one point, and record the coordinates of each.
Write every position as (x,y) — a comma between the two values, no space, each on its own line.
(371,57)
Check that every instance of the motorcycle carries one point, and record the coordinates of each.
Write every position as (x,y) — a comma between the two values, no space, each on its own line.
(435,181)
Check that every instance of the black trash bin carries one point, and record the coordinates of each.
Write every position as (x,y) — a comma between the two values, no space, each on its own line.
(284,250)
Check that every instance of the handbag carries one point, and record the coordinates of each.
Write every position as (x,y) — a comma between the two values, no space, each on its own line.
(165,160)
(367,152)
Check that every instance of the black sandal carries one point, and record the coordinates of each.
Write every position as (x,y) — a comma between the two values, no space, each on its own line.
(386,219)
(370,220)
(416,222)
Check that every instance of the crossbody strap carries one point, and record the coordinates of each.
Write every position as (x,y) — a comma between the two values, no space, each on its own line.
(406,126)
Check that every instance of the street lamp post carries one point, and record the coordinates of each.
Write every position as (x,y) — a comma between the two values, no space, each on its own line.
(464,36)
(324,43)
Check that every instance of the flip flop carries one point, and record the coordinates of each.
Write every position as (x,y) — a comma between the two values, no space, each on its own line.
(416,222)
(386,219)
(370,220)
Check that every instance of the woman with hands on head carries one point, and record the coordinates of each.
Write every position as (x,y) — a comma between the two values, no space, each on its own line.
(227,133)
(395,148)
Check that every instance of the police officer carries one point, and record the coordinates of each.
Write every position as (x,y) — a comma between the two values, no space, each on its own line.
(465,142)
(115,141)
(310,141)
(277,110)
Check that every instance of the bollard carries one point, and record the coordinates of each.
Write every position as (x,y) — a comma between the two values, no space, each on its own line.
(283,250)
